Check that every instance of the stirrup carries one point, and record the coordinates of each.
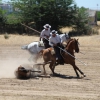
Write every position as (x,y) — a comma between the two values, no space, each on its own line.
(56,59)
(61,63)
(56,63)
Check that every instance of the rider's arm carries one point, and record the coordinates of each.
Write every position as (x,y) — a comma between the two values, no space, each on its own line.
(59,38)
(43,34)
(50,42)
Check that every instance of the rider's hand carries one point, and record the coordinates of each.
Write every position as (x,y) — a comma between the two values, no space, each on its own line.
(47,37)
(55,45)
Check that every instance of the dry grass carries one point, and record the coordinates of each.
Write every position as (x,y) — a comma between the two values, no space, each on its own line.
(66,29)
(97,28)
(24,39)
(98,22)
(67,87)
(15,40)
(93,40)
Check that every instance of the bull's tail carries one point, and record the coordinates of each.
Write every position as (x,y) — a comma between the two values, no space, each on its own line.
(24,47)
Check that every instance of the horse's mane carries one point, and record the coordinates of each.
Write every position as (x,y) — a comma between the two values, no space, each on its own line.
(68,42)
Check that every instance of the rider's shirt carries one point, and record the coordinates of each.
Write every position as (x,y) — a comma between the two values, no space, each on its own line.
(54,40)
(45,33)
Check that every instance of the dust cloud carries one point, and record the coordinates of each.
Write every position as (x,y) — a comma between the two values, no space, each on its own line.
(9,65)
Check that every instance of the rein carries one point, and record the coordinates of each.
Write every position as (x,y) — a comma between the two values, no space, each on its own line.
(69,53)
(72,56)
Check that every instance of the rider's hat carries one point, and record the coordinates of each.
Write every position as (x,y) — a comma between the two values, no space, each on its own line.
(53,32)
(47,26)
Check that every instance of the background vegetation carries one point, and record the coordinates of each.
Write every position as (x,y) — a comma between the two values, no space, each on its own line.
(98,15)
(36,13)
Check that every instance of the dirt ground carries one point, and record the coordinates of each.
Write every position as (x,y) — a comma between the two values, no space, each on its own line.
(65,87)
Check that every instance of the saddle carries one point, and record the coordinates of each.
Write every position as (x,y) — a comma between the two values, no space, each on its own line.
(40,44)
(53,51)
(61,62)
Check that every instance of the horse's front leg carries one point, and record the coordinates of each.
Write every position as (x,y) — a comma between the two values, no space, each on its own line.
(76,68)
(80,71)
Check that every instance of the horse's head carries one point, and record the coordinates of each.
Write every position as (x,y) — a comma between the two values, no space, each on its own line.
(64,37)
(72,44)
(76,45)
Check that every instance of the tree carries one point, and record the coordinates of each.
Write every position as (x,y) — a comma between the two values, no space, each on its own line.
(98,15)
(2,20)
(81,22)
(57,13)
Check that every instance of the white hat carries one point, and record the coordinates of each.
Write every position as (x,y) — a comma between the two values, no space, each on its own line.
(53,32)
(47,26)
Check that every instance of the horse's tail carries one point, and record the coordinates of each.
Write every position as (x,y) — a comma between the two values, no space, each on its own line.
(40,54)
(24,47)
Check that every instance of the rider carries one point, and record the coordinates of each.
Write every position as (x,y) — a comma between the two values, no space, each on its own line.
(55,42)
(45,34)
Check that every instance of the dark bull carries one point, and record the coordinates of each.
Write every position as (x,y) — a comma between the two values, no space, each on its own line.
(24,73)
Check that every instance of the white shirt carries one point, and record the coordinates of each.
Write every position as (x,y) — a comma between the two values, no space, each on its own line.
(54,40)
(45,33)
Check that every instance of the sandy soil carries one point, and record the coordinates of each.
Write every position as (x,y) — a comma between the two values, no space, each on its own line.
(65,87)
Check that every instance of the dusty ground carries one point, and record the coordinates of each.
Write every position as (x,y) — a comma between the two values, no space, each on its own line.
(67,87)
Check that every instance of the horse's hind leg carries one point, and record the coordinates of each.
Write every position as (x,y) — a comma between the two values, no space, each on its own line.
(51,66)
(44,70)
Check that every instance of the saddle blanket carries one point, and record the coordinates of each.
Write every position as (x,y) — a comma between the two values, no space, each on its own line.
(53,51)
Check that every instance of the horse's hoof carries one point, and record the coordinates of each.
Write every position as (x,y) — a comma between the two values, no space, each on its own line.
(81,77)
(84,75)
(56,64)
(78,76)
(56,74)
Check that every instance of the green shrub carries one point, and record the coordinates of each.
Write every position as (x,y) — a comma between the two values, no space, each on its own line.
(6,36)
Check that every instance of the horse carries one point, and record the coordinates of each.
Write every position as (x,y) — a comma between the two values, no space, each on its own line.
(34,48)
(72,45)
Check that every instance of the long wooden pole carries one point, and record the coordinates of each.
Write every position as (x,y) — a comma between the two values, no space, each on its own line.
(70,54)
(30,28)
(48,40)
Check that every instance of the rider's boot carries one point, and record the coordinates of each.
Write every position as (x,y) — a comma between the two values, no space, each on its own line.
(59,61)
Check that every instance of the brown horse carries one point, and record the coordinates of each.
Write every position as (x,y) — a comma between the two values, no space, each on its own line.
(72,45)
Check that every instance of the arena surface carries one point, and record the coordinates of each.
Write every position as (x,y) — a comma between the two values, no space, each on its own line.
(65,87)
